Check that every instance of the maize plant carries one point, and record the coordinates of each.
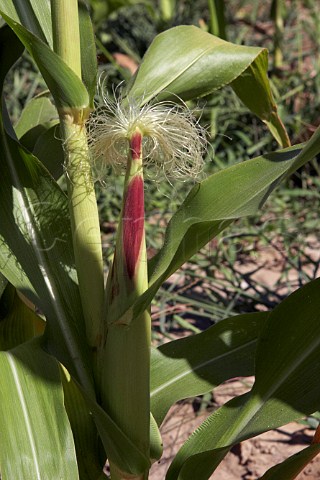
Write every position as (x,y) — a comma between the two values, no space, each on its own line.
(80,383)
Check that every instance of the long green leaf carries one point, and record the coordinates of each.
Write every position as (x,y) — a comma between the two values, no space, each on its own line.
(36,253)
(36,439)
(213,204)
(89,66)
(253,88)
(3,285)
(35,15)
(68,91)
(292,466)
(119,448)
(49,150)
(38,131)
(187,62)
(286,388)
(84,431)
(35,117)
(195,365)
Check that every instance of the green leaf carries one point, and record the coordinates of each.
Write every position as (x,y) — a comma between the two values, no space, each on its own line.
(49,150)
(253,88)
(195,365)
(156,446)
(89,66)
(39,132)
(18,322)
(119,448)
(167,8)
(292,466)
(213,204)
(286,387)
(36,439)
(39,112)
(187,62)
(84,431)
(35,15)
(36,253)
(3,285)
(67,89)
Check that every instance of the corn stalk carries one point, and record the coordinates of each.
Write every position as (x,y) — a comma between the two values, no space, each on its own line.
(82,200)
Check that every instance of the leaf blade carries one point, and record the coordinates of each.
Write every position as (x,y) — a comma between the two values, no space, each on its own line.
(83,428)
(34,232)
(67,89)
(195,365)
(19,323)
(292,466)
(33,419)
(89,66)
(188,63)
(34,15)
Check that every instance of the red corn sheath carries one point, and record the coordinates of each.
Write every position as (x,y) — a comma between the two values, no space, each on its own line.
(133,223)
(133,211)
(135,146)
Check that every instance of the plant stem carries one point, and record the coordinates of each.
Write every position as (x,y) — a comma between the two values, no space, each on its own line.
(126,357)
(167,8)
(277,16)
(82,200)
(65,29)
(217,18)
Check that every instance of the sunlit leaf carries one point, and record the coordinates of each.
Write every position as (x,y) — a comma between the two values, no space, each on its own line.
(34,119)
(188,62)
(89,66)
(194,365)
(67,89)
(35,15)
(36,439)
(36,252)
